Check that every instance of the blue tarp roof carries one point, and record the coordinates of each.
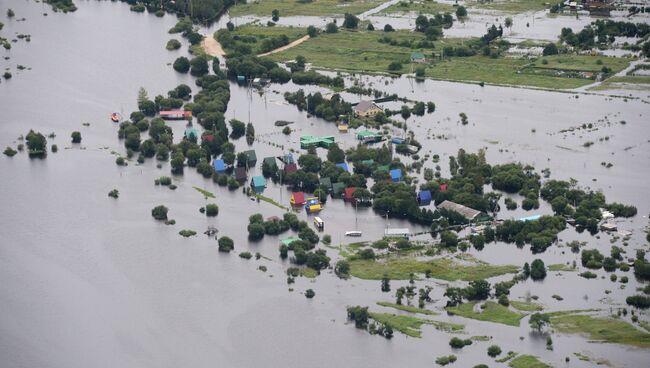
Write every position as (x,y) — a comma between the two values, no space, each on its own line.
(258,182)
(219,165)
(191,131)
(397,140)
(424,197)
(343,166)
(396,174)
(530,218)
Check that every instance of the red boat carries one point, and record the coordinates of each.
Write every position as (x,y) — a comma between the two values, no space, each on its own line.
(115,117)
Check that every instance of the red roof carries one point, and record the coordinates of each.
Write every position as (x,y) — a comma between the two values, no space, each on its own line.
(208,137)
(443,187)
(298,197)
(289,168)
(348,192)
(176,113)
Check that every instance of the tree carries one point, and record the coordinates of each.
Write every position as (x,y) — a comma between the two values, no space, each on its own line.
(177,163)
(275,15)
(550,49)
(76,137)
(256,231)
(199,66)
(331,28)
(226,244)
(231,26)
(182,64)
(309,293)
(537,270)
(448,239)
(359,315)
(385,284)
(508,22)
(342,268)
(405,112)
(461,12)
(238,129)
(454,296)
(350,21)
(538,321)
(211,210)
(159,212)
(388,28)
(370,27)
(494,350)
(477,290)
(36,143)
(310,163)
(312,31)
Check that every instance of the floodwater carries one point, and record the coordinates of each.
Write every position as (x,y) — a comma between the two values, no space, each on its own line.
(91,281)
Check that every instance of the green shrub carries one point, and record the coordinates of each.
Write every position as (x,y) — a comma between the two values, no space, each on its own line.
(211,210)
(159,212)
(225,244)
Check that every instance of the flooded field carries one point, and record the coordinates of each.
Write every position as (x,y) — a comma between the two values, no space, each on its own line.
(90,281)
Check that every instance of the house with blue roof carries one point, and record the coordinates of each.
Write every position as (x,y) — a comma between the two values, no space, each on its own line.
(343,166)
(219,166)
(396,175)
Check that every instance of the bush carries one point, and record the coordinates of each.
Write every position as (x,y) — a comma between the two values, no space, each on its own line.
(331,28)
(173,44)
(444,360)
(120,161)
(187,233)
(394,66)
(211,210)
(457,343)
(388,28)
(246,255)
(159,212)
(182,65)
(638,301)
(537,270)
(309,293)
(76,137)
(10,152)
(226,244)
(588,275)
(494,351)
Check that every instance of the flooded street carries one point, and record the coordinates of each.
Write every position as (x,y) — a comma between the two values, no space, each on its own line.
(91,281)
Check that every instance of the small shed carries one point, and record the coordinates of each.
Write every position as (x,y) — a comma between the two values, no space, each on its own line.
(326,182)
(290,168)
(343,166)
(270,162)
(241,175)
(348,194)
(418,57)
(288,241)
(396,175)
(258,183)
(397,140)
(337,190)
(366,136)
(191,133)
(469,213)
(219,166)
(424,197)
(251,158)
(297,198)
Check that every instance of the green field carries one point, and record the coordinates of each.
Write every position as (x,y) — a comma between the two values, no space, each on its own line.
(526,306)
(560,267)
(492,313)
(261,32)
(602,329)
(444,269)
(511,6)
(630,82)
(293,7)
(407,308)
(420,7)
(361,51)
(527,361)
(411,326)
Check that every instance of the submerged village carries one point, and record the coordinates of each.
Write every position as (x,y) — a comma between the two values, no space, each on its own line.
(356,183)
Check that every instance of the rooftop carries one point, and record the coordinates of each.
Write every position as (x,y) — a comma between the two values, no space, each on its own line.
(468,213)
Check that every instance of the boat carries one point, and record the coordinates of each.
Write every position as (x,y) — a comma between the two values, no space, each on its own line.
(115,117)
(353,233)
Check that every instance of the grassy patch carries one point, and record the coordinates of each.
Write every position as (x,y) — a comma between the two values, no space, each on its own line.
(309,272)
(411,326)
(526,306)
(427,7)
(560,267)
(294,7)
(407,308)
(271,201)
(361,51)
(510,355)
(492,313)
(631,82)
(512,6)
(601,329)
(527,361)
(480,338)
(444,269)
(205,193)
(259,33)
